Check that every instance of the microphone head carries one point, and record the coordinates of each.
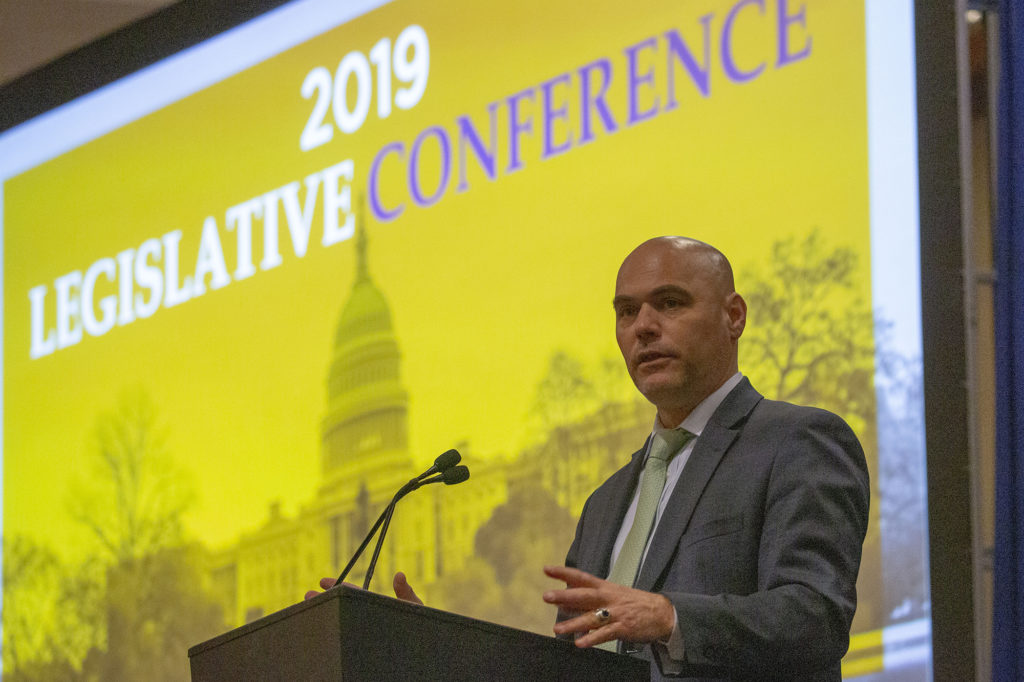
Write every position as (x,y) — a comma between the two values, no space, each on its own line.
(455,474)
(447,460)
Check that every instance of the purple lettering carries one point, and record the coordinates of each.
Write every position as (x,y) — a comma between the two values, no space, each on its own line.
(379,211)
(731,70)
(634,80)
(484,155)
(515,127)
(785,20)
(550,115)
(446,166)
(604,67)
(699,74)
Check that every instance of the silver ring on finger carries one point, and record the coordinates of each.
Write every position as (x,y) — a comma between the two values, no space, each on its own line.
(603,615)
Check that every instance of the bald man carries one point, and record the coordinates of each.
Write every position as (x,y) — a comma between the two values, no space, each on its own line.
(750,564)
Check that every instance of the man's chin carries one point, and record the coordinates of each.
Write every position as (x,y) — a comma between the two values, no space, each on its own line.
(659,389)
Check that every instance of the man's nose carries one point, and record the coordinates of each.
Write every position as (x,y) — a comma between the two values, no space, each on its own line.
(647,322)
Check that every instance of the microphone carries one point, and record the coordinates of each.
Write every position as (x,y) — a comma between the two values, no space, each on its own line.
(444,463)
(449,476)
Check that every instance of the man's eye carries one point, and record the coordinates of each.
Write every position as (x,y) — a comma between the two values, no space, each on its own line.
(671,303)
(625,311)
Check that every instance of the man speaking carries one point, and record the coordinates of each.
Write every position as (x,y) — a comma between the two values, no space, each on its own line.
(732,540)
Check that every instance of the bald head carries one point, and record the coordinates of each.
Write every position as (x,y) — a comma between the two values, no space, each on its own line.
(695,253)
(678,322)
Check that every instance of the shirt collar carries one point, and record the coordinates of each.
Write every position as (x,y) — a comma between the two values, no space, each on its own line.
(699,417)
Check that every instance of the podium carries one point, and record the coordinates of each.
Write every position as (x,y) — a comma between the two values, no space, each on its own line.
(350,634)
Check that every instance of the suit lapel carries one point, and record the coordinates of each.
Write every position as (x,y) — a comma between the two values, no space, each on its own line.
(610,509)
(719,433)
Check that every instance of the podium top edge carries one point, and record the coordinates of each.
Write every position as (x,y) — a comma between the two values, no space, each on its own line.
(346,593)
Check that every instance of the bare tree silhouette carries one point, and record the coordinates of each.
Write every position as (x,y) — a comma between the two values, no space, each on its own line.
(153,599)
(810,337)
(810,340)
(902,486)
(135,498)
(564,393)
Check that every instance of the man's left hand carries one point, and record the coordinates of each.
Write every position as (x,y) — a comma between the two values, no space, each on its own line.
(633,615)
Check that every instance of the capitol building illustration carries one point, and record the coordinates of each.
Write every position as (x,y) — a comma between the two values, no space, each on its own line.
(365,458)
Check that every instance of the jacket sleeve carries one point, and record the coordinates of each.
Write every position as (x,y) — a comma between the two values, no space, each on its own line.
(815,519)
(571,560)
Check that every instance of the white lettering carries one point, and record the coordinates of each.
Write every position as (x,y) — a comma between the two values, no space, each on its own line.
(338,199)
(41,345)
(141,281)
(300,222)
(125,310)
(242,216)
(148,277)
(69,327)
(173,295)
(271,253)
(108,304)
(210,260)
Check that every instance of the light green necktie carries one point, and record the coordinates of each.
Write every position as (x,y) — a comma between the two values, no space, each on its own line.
(664,445)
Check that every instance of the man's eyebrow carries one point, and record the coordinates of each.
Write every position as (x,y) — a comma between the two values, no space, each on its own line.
(670,289)
(665,289)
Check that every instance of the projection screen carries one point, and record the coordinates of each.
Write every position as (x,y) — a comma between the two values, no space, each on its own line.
(250,290)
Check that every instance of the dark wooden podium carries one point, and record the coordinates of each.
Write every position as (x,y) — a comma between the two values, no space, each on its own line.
(350,634)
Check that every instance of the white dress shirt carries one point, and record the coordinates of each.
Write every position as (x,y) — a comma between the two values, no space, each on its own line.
(694,423)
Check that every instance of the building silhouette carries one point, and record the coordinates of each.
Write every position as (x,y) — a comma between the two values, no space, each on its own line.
(364,459)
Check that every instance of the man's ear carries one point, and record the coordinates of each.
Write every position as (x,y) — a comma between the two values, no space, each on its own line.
(736,308)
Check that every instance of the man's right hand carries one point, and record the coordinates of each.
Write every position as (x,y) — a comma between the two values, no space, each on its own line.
(326,584)
(403,590)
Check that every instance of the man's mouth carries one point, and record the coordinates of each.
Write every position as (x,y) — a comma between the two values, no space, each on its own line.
(650,356)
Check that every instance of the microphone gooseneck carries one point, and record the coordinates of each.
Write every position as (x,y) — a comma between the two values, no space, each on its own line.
(449,476)
(444,470)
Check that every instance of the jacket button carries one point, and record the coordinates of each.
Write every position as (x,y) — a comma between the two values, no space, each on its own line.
(710,652)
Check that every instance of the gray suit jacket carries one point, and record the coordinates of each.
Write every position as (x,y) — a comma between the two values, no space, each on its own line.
(760,543)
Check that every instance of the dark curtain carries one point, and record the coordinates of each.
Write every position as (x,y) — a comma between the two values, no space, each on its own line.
(1008,625)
